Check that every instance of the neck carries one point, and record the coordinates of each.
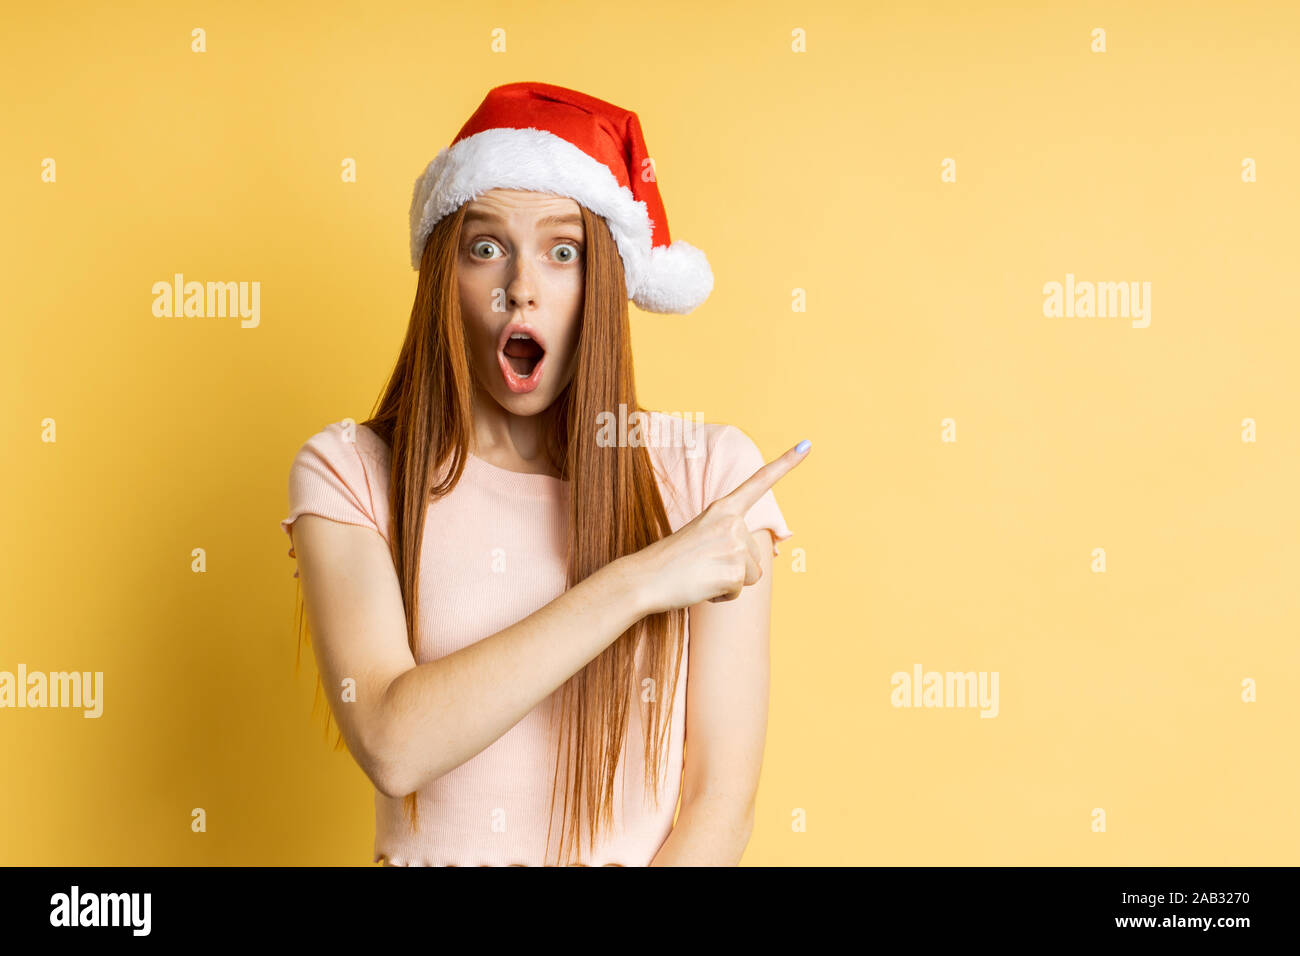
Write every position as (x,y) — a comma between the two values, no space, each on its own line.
(505,439)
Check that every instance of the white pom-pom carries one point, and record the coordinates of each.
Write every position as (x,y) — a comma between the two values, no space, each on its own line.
(676,279)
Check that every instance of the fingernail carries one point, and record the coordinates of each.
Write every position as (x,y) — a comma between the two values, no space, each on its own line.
(803,446)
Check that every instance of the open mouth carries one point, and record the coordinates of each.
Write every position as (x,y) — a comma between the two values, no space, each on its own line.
(522,358)
(523,353)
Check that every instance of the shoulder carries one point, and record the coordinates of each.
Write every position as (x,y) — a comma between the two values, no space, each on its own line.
(703,460)
(345,443)
(732,457)
(341,472)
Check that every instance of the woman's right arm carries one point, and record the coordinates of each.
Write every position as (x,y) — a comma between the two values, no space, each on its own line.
(410,723)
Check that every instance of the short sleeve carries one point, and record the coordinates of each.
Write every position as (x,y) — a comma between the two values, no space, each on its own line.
(733,457)
(329,477)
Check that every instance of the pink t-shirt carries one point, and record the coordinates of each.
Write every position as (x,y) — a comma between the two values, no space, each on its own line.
(493,553)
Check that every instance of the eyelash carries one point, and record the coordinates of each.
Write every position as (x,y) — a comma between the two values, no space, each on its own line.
(566,242)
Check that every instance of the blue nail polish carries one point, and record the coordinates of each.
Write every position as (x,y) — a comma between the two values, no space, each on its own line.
(803,446)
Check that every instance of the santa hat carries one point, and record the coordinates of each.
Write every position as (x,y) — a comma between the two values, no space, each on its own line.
(546,138)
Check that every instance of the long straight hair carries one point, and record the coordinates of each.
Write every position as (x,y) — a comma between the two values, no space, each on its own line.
(425,415)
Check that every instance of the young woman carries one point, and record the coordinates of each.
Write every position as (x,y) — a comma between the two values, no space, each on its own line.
(505,593)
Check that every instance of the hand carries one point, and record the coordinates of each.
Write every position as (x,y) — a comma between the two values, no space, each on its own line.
(714,557)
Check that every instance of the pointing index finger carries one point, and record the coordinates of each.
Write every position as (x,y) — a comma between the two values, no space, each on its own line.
(746,494)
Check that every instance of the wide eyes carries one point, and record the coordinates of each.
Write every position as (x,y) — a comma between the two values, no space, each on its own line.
(564,251)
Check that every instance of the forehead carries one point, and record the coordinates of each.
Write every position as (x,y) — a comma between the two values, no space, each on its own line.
(520,203)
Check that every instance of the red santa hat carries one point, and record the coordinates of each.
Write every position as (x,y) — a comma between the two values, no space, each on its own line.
(550,139)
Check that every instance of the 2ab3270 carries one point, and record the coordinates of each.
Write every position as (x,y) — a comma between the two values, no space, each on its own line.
(1201,897)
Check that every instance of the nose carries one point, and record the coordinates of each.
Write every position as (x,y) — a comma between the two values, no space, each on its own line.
(521,292)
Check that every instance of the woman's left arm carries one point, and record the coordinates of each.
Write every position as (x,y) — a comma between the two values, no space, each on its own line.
(727,677)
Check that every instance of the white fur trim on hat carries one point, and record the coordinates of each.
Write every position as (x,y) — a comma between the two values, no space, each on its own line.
(674,278)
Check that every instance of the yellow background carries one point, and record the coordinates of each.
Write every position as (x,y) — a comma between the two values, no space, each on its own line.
(818,171)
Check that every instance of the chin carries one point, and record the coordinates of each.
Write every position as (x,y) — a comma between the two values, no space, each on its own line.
(533,403)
